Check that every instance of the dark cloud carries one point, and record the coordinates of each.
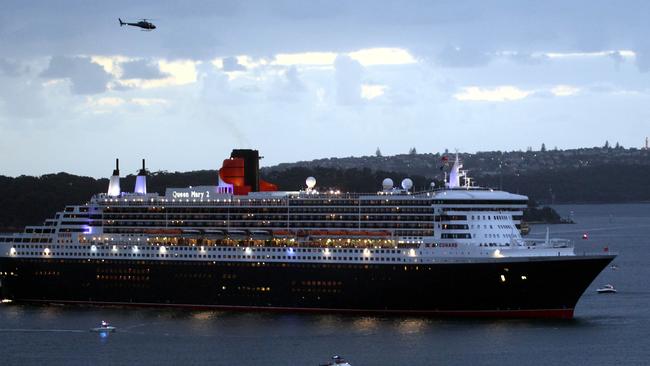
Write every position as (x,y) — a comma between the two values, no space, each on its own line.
(231,64)
(207,29)
(142,69)
(86,76)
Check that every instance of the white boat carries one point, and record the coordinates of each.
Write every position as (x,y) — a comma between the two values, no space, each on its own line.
(103,328)
(607,289)
(336,361)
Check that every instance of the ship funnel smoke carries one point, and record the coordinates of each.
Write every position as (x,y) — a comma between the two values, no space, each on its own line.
(141,180)
(114,183)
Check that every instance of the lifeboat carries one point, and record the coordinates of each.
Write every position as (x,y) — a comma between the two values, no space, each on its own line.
(281,233)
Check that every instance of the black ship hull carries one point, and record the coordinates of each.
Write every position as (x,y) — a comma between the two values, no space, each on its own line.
(530,287)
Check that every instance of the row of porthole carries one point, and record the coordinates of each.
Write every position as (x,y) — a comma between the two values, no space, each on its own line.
(329,258)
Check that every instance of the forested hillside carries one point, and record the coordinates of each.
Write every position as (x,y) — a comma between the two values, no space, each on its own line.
(593,176)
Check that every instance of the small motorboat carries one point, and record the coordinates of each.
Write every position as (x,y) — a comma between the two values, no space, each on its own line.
(607,289)
(336,361)
(613,267)
(103,328)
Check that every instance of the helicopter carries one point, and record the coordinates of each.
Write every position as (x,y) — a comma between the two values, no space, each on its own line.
(145,24)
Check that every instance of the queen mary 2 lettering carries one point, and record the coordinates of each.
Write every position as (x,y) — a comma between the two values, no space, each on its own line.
(203,192)
(243,244)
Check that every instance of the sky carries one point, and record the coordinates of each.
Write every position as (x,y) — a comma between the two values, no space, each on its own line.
(300,80)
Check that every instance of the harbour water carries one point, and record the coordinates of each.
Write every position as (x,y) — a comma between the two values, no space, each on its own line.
(608,329)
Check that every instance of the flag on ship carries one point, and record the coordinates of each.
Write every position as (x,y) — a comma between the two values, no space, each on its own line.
(444,162)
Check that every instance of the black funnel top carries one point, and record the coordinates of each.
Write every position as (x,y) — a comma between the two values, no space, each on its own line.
(251,167)
(117,167)
(142,171)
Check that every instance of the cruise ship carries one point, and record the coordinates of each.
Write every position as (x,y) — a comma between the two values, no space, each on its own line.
(454,250)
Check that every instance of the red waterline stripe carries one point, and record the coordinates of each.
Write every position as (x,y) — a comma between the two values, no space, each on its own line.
(529,313)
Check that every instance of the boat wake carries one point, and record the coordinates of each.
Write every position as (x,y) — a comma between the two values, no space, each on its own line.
(23,330)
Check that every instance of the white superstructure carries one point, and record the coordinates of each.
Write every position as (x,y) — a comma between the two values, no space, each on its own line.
(457,223)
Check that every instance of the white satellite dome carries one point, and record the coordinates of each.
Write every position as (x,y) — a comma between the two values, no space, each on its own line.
(407,184)
(387,184)
(311,182)
(433,184)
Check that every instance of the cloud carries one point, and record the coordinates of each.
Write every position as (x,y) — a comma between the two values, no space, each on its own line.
(605,53)
(12,68)
(348,74)
(142,69)
(86,77)
(524,58)
(617,57)
(383,56)
(196,42)
(564,90)
(107,102)
(508,93)
(365,57)
(305,58)
(148,102)
(294,83)
(231,64)
(22,100)
(111,64)
(498,94)
(372,91)
(451,56)
(180,72)
(643,58)
(287,87)
(103,105)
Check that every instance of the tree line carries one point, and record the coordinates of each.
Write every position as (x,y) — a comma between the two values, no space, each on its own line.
(28,200)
